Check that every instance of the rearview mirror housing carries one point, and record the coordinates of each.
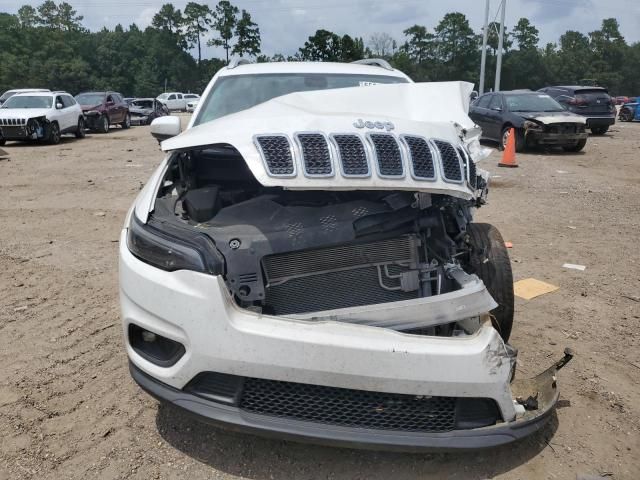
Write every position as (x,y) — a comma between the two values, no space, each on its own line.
(163,128)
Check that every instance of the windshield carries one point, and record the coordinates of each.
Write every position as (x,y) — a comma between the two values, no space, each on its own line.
(25,101)
(6,95)
(90,98)
(238,92)
(538,102)
(142,103)
(163,96)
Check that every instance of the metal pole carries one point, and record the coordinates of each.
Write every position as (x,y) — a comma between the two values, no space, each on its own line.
(500,41)
(483,60)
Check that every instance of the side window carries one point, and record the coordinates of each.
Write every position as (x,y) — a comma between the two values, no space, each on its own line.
(118,98)
(171,97)
(483,102)
(496,102)
(68,101)
(179,96)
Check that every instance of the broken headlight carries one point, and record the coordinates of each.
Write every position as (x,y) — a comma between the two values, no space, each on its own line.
(171,248)
(529,125)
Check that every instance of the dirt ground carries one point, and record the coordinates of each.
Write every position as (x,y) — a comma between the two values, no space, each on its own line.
(68,409)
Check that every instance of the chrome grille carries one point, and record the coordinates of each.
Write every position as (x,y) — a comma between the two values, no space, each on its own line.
(451,169)
(353,156)
(421,157)
(276,152)
(7,122)
(388,155)
(316,158)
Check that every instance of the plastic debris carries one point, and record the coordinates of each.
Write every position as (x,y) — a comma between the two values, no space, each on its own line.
(574,266)
(531,288)
(508,244)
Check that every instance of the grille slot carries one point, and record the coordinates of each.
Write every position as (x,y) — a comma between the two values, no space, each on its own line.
(353,156)
(276,152)
(470,168)
(451,169)
(388,155)
(421,157)
(315,154)
(347,407)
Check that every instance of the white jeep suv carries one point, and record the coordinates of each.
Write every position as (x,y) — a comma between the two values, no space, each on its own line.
(304,264)
(41,116)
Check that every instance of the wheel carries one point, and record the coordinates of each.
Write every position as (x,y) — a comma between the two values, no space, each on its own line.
(127,121)
(489,260)
(599,130)
(103,124)
(54,134)
(625,115)
(519,138)
(575,148)
(80,133)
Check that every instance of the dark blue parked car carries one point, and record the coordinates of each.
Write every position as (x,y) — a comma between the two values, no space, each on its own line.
(629,112)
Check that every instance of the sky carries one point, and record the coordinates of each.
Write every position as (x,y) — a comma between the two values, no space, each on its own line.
(286,24)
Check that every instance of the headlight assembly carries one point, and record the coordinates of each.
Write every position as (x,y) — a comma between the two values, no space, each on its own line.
(172,248)
(529,125)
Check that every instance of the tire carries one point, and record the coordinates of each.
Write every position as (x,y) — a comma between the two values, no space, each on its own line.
(103,124)
(3,141)
(54,134)
(575,148)
(489,260)
(599,130)
(80,133)
(127,121)
(519,138)
(625,115)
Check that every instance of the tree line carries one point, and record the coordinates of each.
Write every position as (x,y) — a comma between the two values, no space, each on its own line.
(48,46)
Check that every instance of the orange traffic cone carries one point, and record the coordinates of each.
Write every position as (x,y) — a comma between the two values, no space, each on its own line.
(509,154)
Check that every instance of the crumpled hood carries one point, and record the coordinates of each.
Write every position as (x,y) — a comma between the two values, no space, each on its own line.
(435,110)
(23,112)
(554,117)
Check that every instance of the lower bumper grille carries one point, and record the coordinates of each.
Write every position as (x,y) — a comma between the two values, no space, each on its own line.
(345,407)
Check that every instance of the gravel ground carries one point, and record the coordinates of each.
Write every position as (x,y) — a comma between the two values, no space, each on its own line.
(68,409)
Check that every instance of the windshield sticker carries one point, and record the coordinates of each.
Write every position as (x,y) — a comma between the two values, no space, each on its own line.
(367,84)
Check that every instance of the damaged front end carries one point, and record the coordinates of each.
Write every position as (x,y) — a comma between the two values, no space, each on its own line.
(35,128)
(355,302)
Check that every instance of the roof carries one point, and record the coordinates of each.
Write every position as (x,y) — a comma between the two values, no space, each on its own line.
(310,67)
(577,87)
(35,93)
(26,90)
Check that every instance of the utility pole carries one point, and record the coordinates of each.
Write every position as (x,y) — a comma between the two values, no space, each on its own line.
(483,61)
(500,43)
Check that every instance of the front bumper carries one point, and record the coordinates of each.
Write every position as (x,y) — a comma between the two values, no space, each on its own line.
(195,310)
(91,119)
(546,138)
(139,119)
(543,388)
(601,121)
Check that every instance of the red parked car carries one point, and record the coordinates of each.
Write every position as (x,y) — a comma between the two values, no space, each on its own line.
(103,109)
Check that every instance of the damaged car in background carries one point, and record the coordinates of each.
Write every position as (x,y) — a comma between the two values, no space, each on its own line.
(537,118)
(304,264)
(40,116)
(145,110)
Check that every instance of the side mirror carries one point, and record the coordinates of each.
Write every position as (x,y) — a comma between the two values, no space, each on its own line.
(163,128)
(59,106)
(497,109)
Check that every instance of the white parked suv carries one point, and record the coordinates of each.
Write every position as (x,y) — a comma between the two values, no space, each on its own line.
(9,93)
(304,264)
(40,116)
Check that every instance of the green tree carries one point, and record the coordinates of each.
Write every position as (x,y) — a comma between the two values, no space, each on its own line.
(225,23)
(168,18)
(525,35)
(197,20)
(381,45)
(48,14)
(68,18)
(28,16)
(456,48)
(248,35)
(419,45)
(322,46)
(352,49)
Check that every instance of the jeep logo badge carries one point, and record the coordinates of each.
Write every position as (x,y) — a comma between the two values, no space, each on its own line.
(388,126)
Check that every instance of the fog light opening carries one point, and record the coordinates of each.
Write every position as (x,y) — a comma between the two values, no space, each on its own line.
(155,348)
